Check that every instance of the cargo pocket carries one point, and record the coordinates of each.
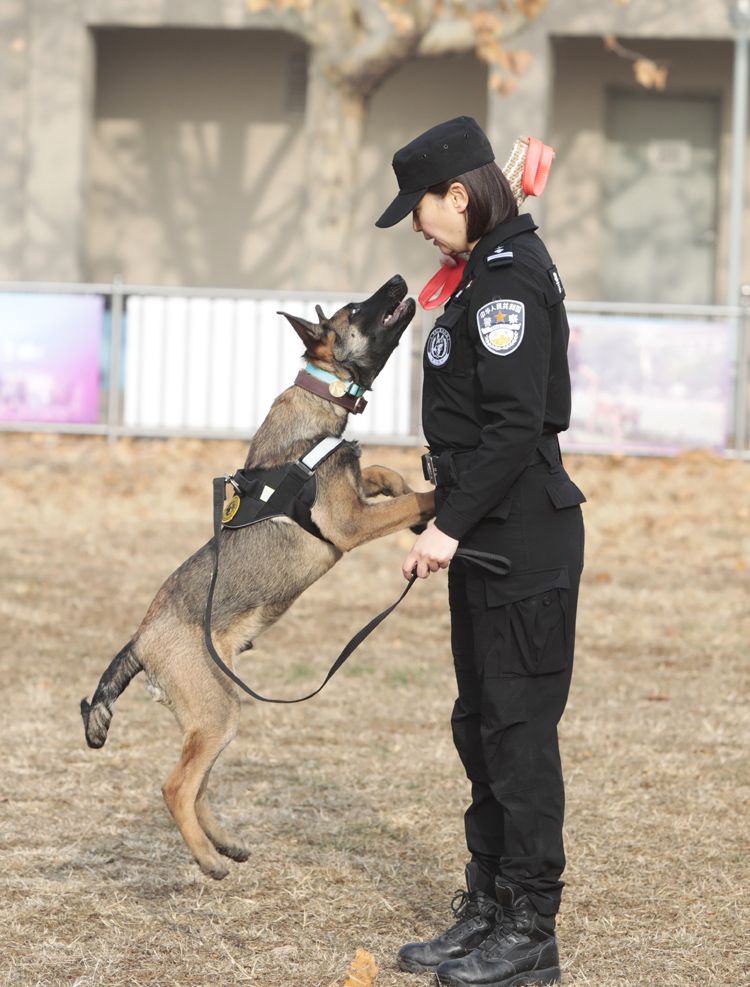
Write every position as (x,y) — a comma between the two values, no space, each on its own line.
(530,617)
(564,493)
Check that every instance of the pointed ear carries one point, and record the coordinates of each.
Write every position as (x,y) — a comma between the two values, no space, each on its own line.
(308,332)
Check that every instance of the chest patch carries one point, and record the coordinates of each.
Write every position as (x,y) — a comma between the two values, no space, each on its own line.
(501,325)
(438,346)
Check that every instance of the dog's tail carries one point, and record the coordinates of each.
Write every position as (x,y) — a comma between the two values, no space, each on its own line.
(98,714)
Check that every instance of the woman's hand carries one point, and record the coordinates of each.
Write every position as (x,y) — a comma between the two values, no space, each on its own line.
(433,550)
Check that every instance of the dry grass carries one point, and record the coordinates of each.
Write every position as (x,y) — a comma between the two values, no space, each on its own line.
(352,802)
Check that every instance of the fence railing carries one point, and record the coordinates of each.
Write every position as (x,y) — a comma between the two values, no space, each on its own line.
(146,360)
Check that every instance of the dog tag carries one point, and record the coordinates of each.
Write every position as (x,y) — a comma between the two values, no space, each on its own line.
(337,388)
(231,509)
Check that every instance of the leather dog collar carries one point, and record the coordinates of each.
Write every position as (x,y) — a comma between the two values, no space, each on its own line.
(354,405)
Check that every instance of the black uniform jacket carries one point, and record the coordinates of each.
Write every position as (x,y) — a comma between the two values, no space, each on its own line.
(496,371)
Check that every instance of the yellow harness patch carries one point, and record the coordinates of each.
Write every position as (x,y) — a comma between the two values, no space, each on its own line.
(230,509)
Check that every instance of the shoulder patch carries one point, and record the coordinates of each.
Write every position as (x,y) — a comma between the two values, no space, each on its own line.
(438,346)
(501,324)
(500,256)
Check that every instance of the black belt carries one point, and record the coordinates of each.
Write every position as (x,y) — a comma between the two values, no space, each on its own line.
(443,468)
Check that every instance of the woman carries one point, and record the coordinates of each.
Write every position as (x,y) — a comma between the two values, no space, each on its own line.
(496,393)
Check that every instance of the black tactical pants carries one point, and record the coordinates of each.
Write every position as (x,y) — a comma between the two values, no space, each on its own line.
(513,640)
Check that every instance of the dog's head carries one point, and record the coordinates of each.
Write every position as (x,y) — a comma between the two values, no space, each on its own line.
(357,341)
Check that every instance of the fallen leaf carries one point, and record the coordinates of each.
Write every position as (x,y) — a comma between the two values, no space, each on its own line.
(658,697)
(363,970)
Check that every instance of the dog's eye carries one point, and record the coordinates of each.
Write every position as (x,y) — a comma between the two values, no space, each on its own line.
(354,309)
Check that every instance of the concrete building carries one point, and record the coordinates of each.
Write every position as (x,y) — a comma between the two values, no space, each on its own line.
(163,141)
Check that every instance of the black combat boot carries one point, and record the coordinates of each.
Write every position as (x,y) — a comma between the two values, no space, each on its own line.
(521,949)
(475,912)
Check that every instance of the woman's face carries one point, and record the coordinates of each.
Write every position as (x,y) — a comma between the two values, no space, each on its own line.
(442,219)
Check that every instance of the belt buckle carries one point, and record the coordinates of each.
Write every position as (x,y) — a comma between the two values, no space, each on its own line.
(429,468)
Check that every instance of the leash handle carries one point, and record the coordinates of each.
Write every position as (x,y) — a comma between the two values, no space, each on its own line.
(498,565)
(355,642)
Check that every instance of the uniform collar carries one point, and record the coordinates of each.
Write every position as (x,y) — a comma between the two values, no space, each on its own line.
(501,234)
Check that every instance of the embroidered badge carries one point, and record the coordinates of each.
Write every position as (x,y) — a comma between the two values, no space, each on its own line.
(501,325)
(231,509)
(438,346)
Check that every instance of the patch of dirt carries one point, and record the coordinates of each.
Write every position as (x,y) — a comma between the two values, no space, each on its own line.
(352,803)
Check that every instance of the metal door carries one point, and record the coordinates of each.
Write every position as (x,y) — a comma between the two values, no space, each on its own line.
(660,198)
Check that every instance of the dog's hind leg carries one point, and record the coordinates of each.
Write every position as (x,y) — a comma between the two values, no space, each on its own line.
(184,793)
(227,844)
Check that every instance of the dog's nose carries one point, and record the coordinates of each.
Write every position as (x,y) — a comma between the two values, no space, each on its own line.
(396,281)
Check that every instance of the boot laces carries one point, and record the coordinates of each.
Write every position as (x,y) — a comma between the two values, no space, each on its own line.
(467,905)
(461,904)
(505,927)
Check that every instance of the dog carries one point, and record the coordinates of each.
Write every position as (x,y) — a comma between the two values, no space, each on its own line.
(264,566)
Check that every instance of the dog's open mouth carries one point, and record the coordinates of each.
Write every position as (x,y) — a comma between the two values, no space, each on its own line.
(400,309)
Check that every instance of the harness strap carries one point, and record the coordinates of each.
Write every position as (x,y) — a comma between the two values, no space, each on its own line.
(320,452)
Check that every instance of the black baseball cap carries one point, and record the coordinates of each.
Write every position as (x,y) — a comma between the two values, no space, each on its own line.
(439,154)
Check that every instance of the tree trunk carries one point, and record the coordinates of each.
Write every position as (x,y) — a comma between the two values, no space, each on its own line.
(335,116)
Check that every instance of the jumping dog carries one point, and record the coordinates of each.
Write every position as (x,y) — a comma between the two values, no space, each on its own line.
(265,566)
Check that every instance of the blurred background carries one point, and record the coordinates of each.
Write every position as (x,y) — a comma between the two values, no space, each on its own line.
(240,151)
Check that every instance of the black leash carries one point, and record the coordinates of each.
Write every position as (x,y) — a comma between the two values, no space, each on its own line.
(496,564)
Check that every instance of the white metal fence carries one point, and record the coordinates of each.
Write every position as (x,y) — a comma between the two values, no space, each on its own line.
(208,362)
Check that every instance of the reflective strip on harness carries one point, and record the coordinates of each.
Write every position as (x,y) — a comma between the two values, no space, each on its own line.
(320,452)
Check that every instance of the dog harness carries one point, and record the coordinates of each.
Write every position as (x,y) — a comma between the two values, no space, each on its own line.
(289,490)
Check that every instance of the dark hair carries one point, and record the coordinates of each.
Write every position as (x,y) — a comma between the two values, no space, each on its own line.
(491,200)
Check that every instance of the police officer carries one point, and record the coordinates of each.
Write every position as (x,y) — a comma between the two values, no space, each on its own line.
(496,394)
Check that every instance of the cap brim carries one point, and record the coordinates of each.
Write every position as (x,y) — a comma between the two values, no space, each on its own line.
(400,208)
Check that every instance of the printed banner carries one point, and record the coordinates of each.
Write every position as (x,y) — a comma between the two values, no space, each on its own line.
(50,351)
(648,385)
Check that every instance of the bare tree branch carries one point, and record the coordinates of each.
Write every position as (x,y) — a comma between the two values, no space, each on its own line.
(647,72)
